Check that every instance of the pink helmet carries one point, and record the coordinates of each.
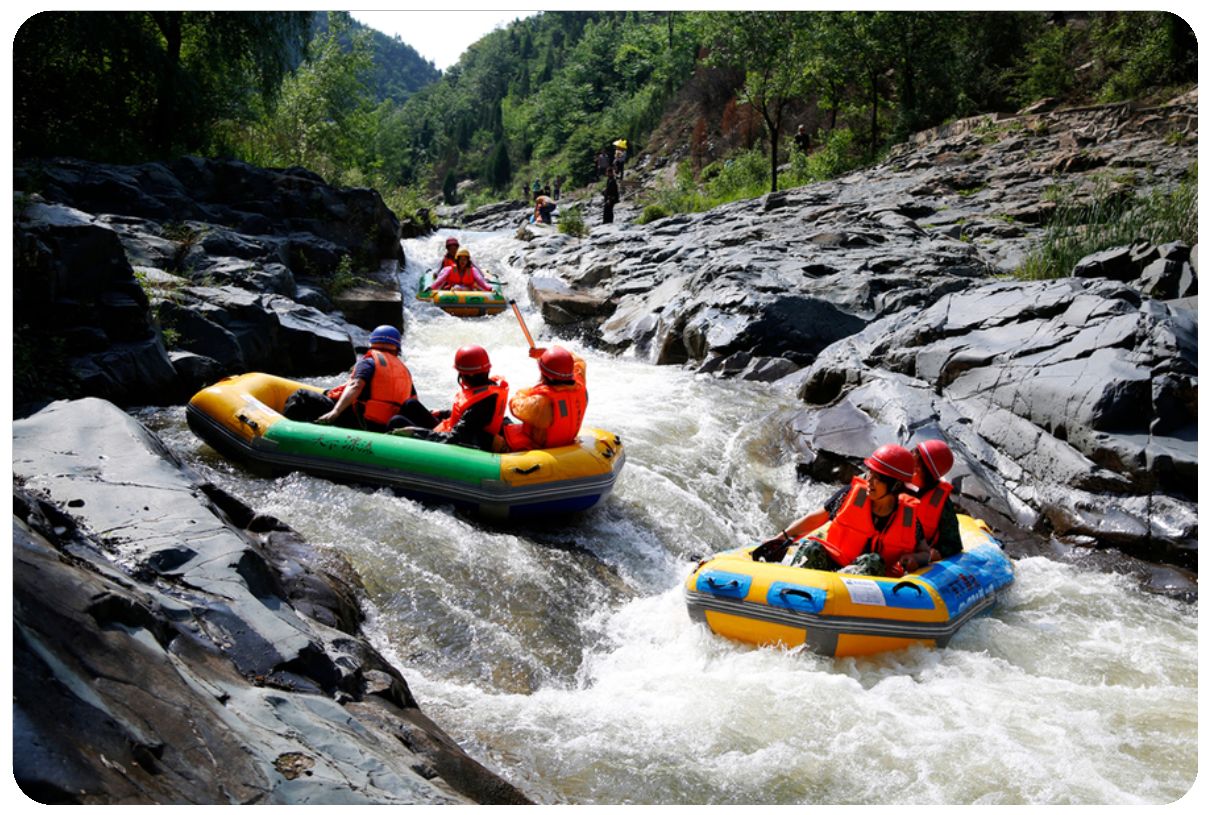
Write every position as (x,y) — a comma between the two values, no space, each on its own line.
(893,461)
(936,457)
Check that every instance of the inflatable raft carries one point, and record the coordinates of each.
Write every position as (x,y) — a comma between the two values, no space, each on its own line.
(463,303)
(240,417)
(842,615)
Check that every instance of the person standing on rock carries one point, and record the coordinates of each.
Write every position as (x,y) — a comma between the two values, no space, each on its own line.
(552,411)
(801,140)
(937,515)
(602,163)
(611,195)
(543,210)
(379,386)
(874,529)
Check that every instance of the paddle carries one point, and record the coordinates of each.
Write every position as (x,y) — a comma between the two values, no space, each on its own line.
(521,320)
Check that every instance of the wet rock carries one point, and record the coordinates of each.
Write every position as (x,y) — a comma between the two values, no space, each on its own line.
(1074,399)
(220,225)
(200,652)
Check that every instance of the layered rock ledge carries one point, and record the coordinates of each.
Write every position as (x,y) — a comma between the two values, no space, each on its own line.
(173,646)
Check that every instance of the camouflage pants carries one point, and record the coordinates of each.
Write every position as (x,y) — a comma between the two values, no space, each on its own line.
(812,555)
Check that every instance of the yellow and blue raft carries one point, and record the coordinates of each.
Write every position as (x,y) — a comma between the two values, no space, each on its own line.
(840,615)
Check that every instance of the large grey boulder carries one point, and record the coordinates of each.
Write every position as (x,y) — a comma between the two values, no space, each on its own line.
(1072,402)
(172,646)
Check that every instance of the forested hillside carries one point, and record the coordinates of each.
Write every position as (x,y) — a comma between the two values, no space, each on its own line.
(540,97)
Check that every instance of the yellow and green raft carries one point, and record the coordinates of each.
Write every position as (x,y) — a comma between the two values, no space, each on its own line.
(842,615)
(240,417)
(463,303)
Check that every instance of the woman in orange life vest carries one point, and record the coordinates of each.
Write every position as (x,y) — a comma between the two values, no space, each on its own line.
(379,387)
(551,411)
(874,529)
(477,413)
(937,515)
(451,253)
(462,275)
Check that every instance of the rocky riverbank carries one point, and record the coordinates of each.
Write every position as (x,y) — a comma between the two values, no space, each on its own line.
(884,299)
(881,299)
(171,645)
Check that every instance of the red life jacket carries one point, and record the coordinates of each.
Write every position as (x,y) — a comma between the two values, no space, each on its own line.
(389,388)
(448,261)
(468,397)
(569,404)
(853,534)
(931,504)
(459,277)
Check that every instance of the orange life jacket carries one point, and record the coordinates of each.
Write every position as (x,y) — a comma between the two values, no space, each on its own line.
(389,388)
(569,404)
(931,504)
(448,261)
(468,397)
(853,534)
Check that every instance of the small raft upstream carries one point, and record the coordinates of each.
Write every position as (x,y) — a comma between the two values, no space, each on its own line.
(842,615)
(241,418)
(462,303)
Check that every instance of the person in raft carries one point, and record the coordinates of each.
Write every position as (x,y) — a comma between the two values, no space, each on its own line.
(551,412)
(462,276)
(451,254)
(936,513)
(477,414)
(379,387)
(874,527)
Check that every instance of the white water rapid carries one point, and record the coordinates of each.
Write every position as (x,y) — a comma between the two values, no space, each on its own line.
(564,659)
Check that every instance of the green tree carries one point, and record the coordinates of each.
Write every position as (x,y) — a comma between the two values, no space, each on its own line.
(771,47)
(325,119)
(135,85)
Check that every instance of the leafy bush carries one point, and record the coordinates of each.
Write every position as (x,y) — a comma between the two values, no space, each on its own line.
(652,212)
(838,153)
(1109,218)
(571,222)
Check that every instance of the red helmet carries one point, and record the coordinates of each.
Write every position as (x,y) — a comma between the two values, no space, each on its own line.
(451,242)
(472,359)
(557,363)
(936,456)
(893,461)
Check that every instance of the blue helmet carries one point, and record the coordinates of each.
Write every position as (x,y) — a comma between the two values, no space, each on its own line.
(387,334)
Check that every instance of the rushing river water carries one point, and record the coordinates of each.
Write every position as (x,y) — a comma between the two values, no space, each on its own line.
(563,657)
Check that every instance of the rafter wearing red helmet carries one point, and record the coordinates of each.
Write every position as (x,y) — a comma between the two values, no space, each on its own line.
(551,412)
(873,531)
(937,515)
(451,254)
(477,413)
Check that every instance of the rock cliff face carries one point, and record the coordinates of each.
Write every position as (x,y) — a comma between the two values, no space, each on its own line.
(142,284)
(879,299)
(172,646)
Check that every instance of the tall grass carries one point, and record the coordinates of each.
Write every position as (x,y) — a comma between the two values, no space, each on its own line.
(746,175)
(1108,219)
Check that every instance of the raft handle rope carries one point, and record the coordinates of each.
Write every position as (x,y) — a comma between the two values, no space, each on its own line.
(734,584)
(249,422)
(527,470)
(904,585)
(797,593)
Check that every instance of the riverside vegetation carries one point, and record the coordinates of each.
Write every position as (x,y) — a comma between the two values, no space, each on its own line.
(540,96)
